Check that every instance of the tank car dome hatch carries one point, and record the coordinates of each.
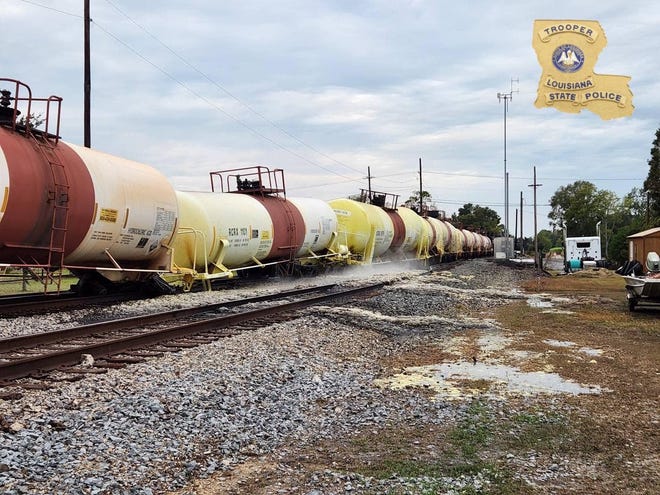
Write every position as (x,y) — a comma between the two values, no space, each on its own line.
(8,113)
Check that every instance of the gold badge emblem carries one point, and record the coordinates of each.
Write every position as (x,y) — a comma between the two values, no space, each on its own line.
(567,52)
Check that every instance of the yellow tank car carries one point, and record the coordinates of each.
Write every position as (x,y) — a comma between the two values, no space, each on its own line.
(364,230)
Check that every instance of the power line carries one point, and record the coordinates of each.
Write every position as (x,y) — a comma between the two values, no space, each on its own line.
(198,95)
(217,107)
(52,8)
(226,91)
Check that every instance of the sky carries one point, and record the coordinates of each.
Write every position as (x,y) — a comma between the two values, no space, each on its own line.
(327,90)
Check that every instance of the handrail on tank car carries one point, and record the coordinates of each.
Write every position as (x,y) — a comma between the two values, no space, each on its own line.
(5,103)
(387,201)
(250,180)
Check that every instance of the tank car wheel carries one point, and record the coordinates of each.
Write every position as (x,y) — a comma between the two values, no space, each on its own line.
(631,304)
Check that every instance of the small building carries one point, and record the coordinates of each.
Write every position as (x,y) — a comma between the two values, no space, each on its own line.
(642,243)
(503,247)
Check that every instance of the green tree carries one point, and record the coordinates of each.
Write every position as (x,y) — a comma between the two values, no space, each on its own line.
(546,239)
(477,217)
(652,182)
(628,219)
(578,207)
(413,201)
(33,122)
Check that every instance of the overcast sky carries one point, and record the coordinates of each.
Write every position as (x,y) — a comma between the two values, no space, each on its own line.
(325,89)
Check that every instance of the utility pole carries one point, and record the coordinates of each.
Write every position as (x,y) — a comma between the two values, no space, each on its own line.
(88,81)
(515,231)
(369,182)
(421,212)
(537,261)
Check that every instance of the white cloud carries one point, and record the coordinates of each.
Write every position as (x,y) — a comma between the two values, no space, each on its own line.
(361,84)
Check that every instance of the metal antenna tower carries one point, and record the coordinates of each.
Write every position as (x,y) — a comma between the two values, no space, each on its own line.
(507,97)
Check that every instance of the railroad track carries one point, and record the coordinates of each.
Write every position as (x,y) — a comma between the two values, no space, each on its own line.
(116,343)
(21,305)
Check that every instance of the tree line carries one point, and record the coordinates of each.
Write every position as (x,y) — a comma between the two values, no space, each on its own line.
(579,208)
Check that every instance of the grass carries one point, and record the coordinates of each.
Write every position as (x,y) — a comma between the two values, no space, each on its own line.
(11,283)
(538,431)
(603,282)
(462,456)
(488,444)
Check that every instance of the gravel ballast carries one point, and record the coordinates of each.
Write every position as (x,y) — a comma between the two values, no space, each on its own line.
(152,427)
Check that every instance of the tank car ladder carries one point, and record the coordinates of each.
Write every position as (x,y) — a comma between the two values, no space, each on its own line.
(59,196)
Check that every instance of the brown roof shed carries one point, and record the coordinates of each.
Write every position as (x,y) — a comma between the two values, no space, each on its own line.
(642,243)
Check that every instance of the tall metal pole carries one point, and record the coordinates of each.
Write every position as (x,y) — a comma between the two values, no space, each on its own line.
(506,97)
(88,81)
(522,235)
(506,206)
(536,237)
(515,229)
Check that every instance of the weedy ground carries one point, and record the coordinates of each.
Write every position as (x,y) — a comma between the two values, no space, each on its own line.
(505,443)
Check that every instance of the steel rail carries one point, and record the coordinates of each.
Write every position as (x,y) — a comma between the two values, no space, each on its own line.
(27,366)
(22,341)
(53,302)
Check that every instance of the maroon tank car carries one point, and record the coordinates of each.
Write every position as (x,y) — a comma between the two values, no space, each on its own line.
(65,205)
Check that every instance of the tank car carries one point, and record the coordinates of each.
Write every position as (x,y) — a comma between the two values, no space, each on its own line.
(112,220)
(249,223)
(455,245)
(418,235)
(441,238)
(364,230)
(68,205)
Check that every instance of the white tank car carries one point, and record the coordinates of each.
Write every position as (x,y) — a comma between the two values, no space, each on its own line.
(488,243)
(217,232)
(135,212)
(363,229)
(470,241)
(417,237)
(441,234)
(320,225)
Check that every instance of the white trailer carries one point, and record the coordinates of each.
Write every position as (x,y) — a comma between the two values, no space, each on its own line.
(579,249)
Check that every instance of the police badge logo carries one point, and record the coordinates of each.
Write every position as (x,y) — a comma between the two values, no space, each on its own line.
(568,58)
(567,51)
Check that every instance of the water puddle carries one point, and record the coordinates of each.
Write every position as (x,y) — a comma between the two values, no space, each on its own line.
(589,351)
(559,343)
(538,302)
(547,303)
(453,380)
